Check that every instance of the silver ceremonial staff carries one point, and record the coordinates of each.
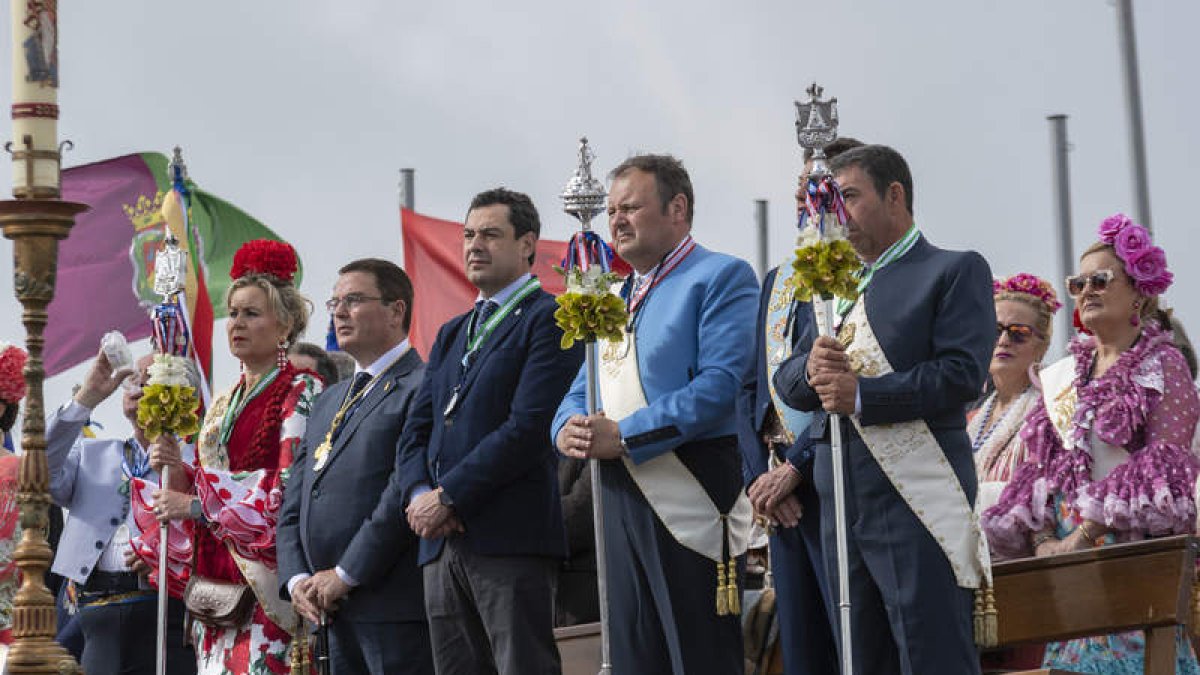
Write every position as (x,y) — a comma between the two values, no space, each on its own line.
(816,127)
(169,266)
(583,198)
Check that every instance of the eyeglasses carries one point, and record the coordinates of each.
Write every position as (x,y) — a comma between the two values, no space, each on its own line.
(1019,333)
(352,300)
(1100,279)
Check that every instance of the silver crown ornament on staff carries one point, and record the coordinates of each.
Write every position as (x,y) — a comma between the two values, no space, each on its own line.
(589,311)
(824,269)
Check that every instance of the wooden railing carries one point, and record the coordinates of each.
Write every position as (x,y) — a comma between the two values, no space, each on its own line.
(1147,585)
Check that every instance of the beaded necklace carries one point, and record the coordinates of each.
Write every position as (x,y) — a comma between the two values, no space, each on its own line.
(987,429)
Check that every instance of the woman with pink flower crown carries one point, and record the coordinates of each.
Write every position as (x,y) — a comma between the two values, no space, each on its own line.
(1025,307)
(1109,439)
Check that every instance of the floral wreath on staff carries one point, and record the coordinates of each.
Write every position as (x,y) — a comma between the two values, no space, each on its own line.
(826,265)
(589,310)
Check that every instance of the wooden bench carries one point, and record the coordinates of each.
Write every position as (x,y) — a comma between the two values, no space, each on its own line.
(1146,585)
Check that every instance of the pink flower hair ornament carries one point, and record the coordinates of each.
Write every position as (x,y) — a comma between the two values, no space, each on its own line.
(1144,262)
(1028,284)
(12,376)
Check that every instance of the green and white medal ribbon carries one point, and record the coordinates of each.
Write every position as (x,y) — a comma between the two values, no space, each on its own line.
(484,332)
(892,254)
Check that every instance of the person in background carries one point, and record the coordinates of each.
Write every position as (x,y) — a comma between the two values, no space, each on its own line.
(777,467)
(577,599)
(90,477)
(1108,442)
(12,390)
(307,356)
(1025,307)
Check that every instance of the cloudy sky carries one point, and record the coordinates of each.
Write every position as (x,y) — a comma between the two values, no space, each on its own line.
(302,112)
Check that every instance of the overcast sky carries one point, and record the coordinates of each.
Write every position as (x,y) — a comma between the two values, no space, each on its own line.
(302,112)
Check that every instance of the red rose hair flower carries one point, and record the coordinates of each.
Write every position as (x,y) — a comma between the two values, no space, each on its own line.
(12,377)
(265,256)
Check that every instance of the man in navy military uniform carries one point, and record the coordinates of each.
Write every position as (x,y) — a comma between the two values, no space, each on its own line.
(927,315)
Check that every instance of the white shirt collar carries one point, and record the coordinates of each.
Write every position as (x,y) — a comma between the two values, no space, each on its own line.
(507,292)
(384,361)
(639,278)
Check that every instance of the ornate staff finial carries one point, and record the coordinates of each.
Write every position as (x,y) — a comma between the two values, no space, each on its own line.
(816,125)
(169,268)
(177,169)
(584,195)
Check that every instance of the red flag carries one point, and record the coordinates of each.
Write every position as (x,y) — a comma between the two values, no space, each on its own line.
(433,260)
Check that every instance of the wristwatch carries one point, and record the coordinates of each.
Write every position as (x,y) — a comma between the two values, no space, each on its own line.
(444,498)
(195,512)
(624,447)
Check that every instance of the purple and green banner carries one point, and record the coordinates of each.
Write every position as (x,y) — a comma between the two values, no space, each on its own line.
(106,266)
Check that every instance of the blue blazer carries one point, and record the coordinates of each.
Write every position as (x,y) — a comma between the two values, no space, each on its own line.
(694,337)
(755,397)
(494,458)
(933,314)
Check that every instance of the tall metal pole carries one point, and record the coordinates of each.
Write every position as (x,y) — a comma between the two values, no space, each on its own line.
(583,198)
(1133,100)
(760,221)
(160,651)
(1059,147)
(408,189)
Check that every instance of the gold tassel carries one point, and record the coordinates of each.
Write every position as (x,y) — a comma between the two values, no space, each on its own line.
(987,618)
(735,598)
(722,598)
(299,657)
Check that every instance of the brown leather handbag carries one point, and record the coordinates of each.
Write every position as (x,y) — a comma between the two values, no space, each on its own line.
(222,604)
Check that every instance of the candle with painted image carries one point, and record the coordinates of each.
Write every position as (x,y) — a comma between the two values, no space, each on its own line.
(35,97)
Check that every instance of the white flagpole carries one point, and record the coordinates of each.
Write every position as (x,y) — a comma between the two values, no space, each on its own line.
(160,656)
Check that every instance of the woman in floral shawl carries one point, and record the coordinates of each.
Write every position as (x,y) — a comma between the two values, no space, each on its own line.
(223,510)
(1108,443)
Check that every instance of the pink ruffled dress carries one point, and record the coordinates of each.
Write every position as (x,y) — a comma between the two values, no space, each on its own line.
(1125,462)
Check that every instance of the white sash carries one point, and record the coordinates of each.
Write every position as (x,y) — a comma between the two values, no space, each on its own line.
(915,464)
(1060,397)
(677,498)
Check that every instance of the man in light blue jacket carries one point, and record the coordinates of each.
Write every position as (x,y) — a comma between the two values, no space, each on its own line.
(675,515)
(90,478)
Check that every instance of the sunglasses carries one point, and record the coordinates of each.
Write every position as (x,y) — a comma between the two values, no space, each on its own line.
(1018,333)
(1100,279)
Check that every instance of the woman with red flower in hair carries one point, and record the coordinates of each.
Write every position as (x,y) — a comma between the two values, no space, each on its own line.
(223,510)
(1108,441)
(12,390)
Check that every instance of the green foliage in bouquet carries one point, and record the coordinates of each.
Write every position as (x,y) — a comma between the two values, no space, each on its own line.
(587,317)
(826,269)
(589,310)
(168,408)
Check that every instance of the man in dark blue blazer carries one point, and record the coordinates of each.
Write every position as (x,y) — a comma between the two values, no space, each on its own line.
(932,315)
(476,467)
(777,451)
(336,555)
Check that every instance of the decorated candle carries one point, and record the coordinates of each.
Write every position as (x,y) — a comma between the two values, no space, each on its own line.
(35,96)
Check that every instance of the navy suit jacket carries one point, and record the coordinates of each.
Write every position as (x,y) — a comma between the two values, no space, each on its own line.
(933,314)
(494,458)
(755,398)
(328,517)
